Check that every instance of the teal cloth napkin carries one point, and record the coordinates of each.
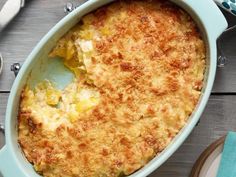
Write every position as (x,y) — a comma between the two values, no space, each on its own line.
(227,166)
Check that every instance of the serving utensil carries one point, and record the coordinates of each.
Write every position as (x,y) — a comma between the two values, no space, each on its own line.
(9,10)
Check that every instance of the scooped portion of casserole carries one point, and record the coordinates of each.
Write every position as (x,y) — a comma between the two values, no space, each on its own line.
(139,68)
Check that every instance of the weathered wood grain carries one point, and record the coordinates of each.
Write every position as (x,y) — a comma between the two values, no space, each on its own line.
(39,16)
(217,119)
(3,104)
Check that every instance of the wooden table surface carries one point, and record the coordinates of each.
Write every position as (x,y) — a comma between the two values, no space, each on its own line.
(38,16)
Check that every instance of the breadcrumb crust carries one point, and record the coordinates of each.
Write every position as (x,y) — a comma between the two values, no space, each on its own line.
(146,61)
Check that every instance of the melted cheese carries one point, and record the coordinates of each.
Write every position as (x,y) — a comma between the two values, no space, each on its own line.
(86,46)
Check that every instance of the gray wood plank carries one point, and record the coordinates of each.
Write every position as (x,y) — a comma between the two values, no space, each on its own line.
(217,119)
(3,104)
(39,16)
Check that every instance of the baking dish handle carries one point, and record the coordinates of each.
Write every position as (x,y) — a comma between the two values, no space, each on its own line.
(211,17)
(229,5)
(7,166)
(5,163)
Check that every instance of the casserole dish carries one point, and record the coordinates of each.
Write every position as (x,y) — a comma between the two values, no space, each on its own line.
(38,66)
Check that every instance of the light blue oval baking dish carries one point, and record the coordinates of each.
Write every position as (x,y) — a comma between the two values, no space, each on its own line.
(37,67)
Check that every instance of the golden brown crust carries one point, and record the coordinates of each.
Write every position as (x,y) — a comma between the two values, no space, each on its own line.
(146,61)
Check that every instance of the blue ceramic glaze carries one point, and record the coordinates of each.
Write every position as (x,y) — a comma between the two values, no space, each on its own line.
(36,67)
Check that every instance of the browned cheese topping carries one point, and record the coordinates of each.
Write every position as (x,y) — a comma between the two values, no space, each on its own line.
(139,68)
